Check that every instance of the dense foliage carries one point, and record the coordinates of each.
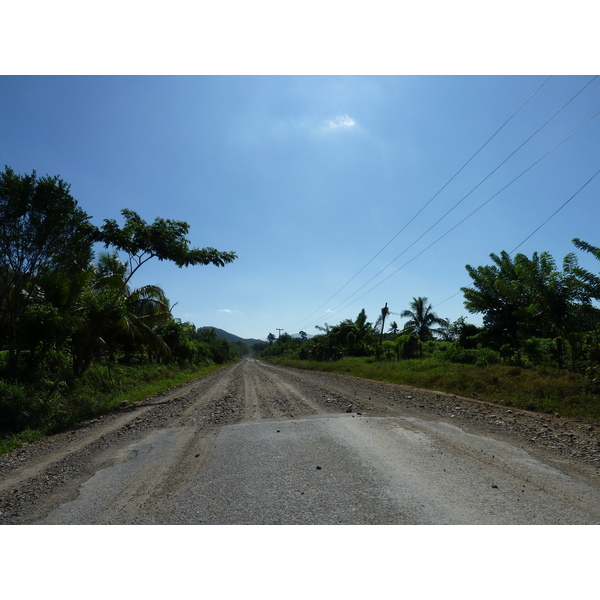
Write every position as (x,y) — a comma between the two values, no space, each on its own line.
(535,316)
(64,311)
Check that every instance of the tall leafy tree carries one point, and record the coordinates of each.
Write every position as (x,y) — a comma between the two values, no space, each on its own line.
(550,297)
(44,236)
(141,242)
(164,239)
(524,297)
(494,294)
(363,327)
(380,323)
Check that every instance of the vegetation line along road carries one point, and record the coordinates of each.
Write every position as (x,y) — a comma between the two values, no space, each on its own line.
(75,337)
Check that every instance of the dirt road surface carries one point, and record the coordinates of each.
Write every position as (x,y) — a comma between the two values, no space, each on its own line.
(255,443)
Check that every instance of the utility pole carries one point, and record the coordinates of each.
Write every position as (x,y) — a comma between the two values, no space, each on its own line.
(280,330)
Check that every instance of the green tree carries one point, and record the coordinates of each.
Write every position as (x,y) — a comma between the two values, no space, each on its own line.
(164,239)
(271,338)
(495,295)
(465,335)
(182,340)
(380,323)
(44,235)
(363,327)
(550,297)
(590,281)
(527,297)
(220,350)
(422,320)
(113,315)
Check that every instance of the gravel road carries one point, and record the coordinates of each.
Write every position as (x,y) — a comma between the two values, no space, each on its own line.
(255,443)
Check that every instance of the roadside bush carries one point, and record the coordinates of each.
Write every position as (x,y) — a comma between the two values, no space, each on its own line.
(540,352)
(407,346)
(481,357)
(19,408)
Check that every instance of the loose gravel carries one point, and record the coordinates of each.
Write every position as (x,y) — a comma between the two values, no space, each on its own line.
(40,476)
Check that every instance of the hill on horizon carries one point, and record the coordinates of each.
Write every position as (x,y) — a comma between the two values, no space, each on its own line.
(234,338)
(231,337)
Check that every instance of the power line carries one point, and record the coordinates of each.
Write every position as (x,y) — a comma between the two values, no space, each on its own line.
(537,229)
(467,217)
(429,201)
(446,300)
(556,211)
(483,204)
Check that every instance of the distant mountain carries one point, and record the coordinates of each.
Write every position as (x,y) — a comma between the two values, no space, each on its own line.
(248,341)
(234,338)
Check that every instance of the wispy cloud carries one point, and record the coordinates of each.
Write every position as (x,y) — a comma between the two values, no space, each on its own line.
(340,122)
(295,128)
(229,311)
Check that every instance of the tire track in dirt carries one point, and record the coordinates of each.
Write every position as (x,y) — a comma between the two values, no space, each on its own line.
(175,429)
(264,397)
(253,410)
(291,399)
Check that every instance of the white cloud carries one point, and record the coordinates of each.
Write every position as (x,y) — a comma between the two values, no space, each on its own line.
(229,311)
(338,123)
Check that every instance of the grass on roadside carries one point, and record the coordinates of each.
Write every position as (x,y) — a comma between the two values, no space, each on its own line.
(102,390)
(549,391)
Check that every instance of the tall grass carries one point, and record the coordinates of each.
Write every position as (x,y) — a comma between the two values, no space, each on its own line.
(101,390)
(550,391)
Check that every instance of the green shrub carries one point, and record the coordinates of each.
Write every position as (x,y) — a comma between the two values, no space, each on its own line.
(19,408)
(482,357)
(540,352)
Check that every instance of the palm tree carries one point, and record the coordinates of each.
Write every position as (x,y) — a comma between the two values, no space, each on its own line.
(113,313)
(147,308)
(421,321)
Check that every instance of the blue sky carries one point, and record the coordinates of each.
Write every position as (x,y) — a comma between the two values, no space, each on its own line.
(307,178)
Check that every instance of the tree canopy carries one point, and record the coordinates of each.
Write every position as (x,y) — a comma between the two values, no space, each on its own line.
(45,245)
(524,297)
(164,239)
(55,302)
